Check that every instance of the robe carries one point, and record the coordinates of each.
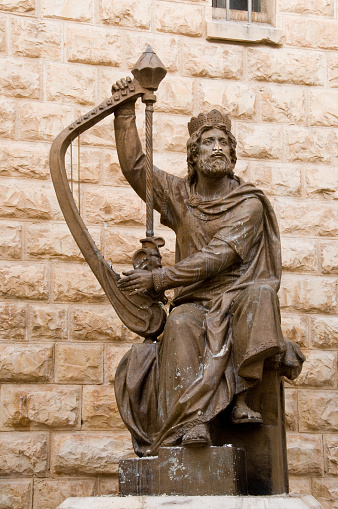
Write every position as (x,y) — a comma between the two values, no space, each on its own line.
(225,319)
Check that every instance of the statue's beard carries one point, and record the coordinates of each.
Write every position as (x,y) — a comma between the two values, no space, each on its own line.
(214,167)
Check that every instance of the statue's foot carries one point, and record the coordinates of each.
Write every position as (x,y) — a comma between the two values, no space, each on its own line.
(242,414)
(198,436)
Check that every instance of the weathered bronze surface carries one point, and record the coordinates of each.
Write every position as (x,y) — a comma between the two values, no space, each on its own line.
(186,471)
(214,376)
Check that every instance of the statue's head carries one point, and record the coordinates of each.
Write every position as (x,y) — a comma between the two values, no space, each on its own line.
(219,125)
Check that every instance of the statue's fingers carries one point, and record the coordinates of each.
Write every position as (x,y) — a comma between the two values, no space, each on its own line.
(120,84)
(128,272)
(124,82)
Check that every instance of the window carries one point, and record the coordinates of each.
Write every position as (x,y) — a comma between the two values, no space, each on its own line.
(251,21)
(255,11)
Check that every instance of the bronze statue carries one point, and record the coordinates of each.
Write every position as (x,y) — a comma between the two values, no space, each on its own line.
(224,322)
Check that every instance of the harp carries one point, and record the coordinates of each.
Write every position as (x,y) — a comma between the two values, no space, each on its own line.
(143,314)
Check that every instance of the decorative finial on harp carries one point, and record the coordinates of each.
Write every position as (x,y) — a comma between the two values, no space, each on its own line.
(149,70)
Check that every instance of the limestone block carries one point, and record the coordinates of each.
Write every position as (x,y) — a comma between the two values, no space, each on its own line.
(329,257)
(331,454)
(78,363)
(324,107)
(291,410)
(332,63)
(90,453)
(174,163)
(24,281)
(121,245)
(235,99)
(259,141)
(322,182)
(10,241)
(299,255)
(36,39)
(51,406)
(55,241)
(212,61)
(114,206)
(319,370)
(112,356)
(286,66)
(65,9)
(175,96)
(17,200)
(308,293)
(316,7)
(49,493)
(18,5)
(15,494)
(90,171)
(20,79)
(301,219)
(99,408)
(111,170)
(98,324)
(3,35)
(197,502)
(165,46)
(24,160)
(276,179)
(24,454)
(305,454)
(88,45)
(26,363)
(295,327)
(108,486)
(7,119)
(12,321)
(101,135)
(308,145)
(311,33)
(324,332)
(189,22)
(76,283)
(299,485)
(318,411)
(335,144)
(66,83)
(131,14)
(171,133)
(48,323)
(36,122)
(326,492)
(283,104)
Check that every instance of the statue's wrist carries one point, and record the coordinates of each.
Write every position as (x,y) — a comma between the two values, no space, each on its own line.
(126,109)
(159,280)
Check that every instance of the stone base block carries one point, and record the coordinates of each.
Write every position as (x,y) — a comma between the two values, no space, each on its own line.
(185,471)
(172,502)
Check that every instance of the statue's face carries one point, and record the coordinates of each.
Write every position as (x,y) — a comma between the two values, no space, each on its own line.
(213,158)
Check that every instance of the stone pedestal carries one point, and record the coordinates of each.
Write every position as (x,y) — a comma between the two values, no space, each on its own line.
(172,502)
(186,471)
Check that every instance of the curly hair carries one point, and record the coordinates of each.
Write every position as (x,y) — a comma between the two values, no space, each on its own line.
(193,145)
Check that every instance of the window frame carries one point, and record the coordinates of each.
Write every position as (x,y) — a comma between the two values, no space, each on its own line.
(218,27)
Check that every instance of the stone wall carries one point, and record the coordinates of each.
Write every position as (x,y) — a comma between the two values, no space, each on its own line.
(60,433)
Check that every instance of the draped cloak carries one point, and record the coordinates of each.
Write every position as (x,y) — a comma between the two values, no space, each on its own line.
(243,222)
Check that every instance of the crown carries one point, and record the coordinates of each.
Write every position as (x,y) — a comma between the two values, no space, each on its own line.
(214,118)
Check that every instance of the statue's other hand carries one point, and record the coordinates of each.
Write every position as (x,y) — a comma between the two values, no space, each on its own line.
(136,281)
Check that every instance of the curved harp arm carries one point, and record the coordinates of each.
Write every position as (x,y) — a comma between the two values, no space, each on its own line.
(140,313)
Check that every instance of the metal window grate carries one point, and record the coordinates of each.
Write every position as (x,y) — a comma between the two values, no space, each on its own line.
(240,10)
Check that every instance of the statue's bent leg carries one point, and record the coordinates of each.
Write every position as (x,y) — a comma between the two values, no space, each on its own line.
(181,355)
(257,335)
